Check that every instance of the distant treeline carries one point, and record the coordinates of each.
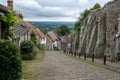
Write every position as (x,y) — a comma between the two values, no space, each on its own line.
(52,25)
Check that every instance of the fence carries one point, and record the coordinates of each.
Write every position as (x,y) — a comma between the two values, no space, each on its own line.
(74,53)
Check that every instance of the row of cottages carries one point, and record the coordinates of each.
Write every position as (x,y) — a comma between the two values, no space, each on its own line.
(48,40)
(22,30)
(53,41)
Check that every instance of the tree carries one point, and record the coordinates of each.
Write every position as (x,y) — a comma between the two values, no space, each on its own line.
(96,6)
(45,30)
(62,30)
(8,19)
(33,37)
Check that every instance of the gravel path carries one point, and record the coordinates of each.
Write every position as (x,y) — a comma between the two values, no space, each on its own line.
(57,66)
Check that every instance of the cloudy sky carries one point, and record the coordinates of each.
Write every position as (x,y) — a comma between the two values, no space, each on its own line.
(52,10)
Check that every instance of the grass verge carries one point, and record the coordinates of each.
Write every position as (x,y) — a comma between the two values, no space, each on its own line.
(94,64)
(29,67)
(89,62)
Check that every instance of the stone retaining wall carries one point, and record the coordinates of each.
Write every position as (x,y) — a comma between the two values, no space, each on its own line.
(98,34)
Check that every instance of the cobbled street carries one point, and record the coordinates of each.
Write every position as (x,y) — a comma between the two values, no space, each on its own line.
(58,66)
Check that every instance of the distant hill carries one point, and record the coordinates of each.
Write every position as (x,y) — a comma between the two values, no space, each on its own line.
(52,25)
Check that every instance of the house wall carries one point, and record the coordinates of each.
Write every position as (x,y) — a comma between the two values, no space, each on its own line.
(49,46)
(43,41)
(21,39)
(25,37)
(29,35)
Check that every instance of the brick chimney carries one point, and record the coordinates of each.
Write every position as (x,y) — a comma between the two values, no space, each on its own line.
(10,3)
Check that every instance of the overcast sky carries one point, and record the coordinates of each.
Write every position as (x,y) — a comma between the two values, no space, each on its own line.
(52,10)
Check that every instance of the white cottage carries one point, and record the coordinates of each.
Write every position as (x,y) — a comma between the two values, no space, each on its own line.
(41,37)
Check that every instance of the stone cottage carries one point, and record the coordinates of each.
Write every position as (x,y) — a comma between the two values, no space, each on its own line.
(52,35)
(21,33)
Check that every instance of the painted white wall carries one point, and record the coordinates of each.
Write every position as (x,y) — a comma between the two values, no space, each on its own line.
(43,41)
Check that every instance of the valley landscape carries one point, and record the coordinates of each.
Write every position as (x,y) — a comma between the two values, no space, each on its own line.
(51,25)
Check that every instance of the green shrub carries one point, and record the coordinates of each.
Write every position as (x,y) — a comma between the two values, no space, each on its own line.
(41,47)
(27,50)
(10,62)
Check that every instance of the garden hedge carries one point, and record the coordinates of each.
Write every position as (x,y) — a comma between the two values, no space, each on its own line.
(27,50)
(10,61)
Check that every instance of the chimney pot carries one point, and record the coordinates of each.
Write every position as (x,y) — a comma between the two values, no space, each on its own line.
(10,3)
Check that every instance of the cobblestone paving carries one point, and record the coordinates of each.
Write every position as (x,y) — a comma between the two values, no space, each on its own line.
(57,66)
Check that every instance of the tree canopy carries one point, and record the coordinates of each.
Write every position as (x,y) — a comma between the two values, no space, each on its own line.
(62,30)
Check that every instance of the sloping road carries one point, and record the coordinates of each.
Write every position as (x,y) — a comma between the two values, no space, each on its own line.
(57,66)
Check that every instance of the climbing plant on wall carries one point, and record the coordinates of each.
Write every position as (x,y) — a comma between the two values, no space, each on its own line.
(8,19)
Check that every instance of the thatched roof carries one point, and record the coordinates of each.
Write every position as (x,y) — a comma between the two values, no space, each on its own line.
(52,35)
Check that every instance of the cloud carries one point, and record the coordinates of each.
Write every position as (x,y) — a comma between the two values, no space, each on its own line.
(64,10)
(83,2)
(27,4)
(58,3)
